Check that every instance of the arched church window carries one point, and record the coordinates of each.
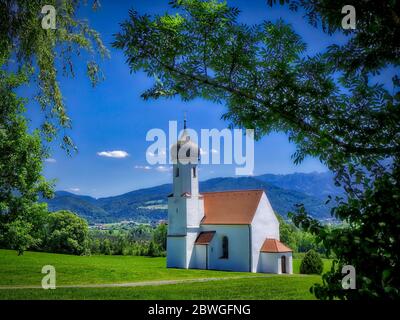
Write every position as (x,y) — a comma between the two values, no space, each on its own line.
(225,247)
(194,172)
(177,172)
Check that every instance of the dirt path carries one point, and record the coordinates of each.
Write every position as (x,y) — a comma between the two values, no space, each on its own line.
(136,284)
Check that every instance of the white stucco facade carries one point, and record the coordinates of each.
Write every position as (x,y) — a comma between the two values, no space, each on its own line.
(207,233)
(272,262)
(238,249)
(264,225)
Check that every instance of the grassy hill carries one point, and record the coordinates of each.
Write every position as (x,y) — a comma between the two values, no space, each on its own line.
(90,270)
(149,205)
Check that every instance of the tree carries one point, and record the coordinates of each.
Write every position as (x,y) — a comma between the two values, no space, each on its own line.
(17,235)
(140,232)
(328,104)
(153,249)
(24,44)
(260,74)
(370,237)
(370,242)
(21,182)
(32,51)
(373,43)
(297,239)
(67,233)
(311,263)
(95,247)
(160,236)
(106,247)
(287,233)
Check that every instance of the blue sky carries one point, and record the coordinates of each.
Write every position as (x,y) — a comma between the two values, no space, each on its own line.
(112,116)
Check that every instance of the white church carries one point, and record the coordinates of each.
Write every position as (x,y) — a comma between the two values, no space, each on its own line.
(229,230)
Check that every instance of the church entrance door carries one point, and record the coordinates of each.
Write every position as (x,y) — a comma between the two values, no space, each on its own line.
(283,264)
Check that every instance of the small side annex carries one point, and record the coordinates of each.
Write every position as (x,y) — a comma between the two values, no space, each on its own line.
(275,257)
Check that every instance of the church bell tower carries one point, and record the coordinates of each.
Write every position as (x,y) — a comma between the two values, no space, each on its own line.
(185,204)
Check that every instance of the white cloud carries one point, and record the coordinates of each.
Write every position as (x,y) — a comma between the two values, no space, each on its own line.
(50,160)
(203,152)
(74,189)
(160,152)
(143,167)
(163,169)
(119,154)
(158,168)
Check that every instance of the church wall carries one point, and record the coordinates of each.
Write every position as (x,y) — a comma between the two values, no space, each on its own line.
(289,262)
(176,248)
(195,211)
(265,225)
(176,216)
(199,257)
(271,262)
(192,233)
(185,182)
(238,238)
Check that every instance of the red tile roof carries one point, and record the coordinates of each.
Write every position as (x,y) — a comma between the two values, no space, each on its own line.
(273,245)
(205,237)
(230,207)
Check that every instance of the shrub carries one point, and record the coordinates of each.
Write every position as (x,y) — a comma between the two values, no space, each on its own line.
(67,233)
(311,263)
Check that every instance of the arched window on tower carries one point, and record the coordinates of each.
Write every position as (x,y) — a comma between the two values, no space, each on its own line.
(225,248)
(177,172)
(194,172)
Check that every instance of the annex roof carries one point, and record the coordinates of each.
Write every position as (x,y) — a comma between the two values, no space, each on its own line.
(274,246)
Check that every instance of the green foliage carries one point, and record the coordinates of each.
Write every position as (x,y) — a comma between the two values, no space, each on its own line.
(260,73)
(26,45)
(18,235)
(21,182)
(153,250)
(311,263)
(21,153)
(137,240)
(67,233)
(160,236)
(369,241)
(106,247)
(287,233)
(375,40)
(297,239)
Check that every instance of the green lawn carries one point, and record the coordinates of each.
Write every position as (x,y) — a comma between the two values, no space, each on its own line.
(26,270)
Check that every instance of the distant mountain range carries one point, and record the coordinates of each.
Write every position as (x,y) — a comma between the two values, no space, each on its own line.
(150,204)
